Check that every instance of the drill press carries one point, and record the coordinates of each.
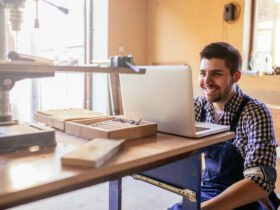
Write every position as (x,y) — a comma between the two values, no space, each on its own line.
(14,135)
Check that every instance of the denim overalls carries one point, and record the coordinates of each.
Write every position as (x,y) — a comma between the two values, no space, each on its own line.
(224,167)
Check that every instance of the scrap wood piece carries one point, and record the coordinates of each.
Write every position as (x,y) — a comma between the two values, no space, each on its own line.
(71,113)
(93,154)
(57,117)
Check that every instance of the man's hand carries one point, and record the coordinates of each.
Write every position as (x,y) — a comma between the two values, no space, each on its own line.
(238,194)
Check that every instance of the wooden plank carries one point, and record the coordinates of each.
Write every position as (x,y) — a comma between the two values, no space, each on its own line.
(49,121)
(93,120)
(92,154)
(88,91)
(57,117)
(28,67)
(115,92)
(70,114)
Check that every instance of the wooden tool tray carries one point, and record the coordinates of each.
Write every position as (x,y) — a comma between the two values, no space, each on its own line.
(115,128)
(57,117)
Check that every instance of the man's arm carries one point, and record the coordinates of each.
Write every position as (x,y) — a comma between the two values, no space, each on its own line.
(240,193)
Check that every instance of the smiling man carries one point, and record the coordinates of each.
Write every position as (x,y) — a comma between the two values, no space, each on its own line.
(239,173)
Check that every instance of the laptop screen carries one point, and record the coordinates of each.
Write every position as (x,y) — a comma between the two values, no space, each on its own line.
(163,95)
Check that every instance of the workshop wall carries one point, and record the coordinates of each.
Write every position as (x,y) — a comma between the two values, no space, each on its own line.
(168,31)
(178,30)
(127,29)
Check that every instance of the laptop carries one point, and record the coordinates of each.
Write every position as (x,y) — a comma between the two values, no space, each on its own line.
(165,95)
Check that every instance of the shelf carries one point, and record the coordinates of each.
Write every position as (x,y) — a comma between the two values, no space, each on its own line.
(250,72)
(8,68)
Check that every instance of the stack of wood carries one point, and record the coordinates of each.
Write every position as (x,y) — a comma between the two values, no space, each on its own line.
(106,133)
(57,118)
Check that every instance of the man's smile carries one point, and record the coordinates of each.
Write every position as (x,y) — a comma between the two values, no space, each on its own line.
(210,89)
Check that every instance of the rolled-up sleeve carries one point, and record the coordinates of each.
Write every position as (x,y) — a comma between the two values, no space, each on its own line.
(260,151)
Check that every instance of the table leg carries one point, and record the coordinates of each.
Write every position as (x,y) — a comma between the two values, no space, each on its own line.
(115,194)
(193,171)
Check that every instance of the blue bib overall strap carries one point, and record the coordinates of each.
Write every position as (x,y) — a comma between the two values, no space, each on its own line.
(235,120)
(224,166)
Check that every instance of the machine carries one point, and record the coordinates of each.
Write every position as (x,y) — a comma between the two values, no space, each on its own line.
(13,135)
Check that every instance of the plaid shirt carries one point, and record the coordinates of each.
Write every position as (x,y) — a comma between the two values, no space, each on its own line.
(254,136)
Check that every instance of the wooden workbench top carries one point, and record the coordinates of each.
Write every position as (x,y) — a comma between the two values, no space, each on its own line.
(29,176)
(29,67)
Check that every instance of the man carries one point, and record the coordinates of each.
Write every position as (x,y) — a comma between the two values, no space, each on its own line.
(239,173)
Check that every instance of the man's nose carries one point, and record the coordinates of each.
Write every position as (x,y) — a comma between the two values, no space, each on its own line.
(208,79)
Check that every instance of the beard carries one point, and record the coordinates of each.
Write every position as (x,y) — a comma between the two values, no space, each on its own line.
(215,93)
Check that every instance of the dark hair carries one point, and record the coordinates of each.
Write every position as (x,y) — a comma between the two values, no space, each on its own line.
(224,51)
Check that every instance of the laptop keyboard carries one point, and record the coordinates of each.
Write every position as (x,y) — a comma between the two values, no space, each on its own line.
(198,128)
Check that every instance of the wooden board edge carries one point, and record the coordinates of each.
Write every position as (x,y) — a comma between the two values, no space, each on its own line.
(49,121)
(66,160)
(84,131)
(93,120)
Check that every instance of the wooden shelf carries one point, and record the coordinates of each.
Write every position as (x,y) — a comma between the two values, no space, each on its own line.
(24,67)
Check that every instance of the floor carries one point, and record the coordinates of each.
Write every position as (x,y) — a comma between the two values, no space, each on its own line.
(136,195)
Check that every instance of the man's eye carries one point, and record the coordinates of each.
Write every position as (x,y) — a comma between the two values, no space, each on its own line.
(217,74)
(202,73)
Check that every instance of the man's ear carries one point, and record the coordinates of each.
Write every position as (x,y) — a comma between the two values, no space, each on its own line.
(236,76)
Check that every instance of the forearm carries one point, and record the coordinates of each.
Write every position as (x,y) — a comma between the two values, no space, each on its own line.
(238,194)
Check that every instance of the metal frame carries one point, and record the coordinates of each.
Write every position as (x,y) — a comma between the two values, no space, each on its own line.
(182,174)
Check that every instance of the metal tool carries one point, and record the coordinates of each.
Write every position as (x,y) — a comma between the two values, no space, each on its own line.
(130,121)
(62,9)
(8,78)
(15,12)
(14,56)
(134,68)
(10,140)
(124,61)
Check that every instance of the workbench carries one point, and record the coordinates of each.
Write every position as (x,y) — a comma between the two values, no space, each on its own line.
(29,176)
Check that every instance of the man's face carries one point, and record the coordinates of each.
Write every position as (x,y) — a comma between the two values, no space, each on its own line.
(216,81)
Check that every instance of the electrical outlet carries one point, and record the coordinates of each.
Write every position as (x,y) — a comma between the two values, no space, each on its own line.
(121,49)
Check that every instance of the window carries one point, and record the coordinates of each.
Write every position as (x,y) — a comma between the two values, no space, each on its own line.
(100,52)
(61,38)
(264,40)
